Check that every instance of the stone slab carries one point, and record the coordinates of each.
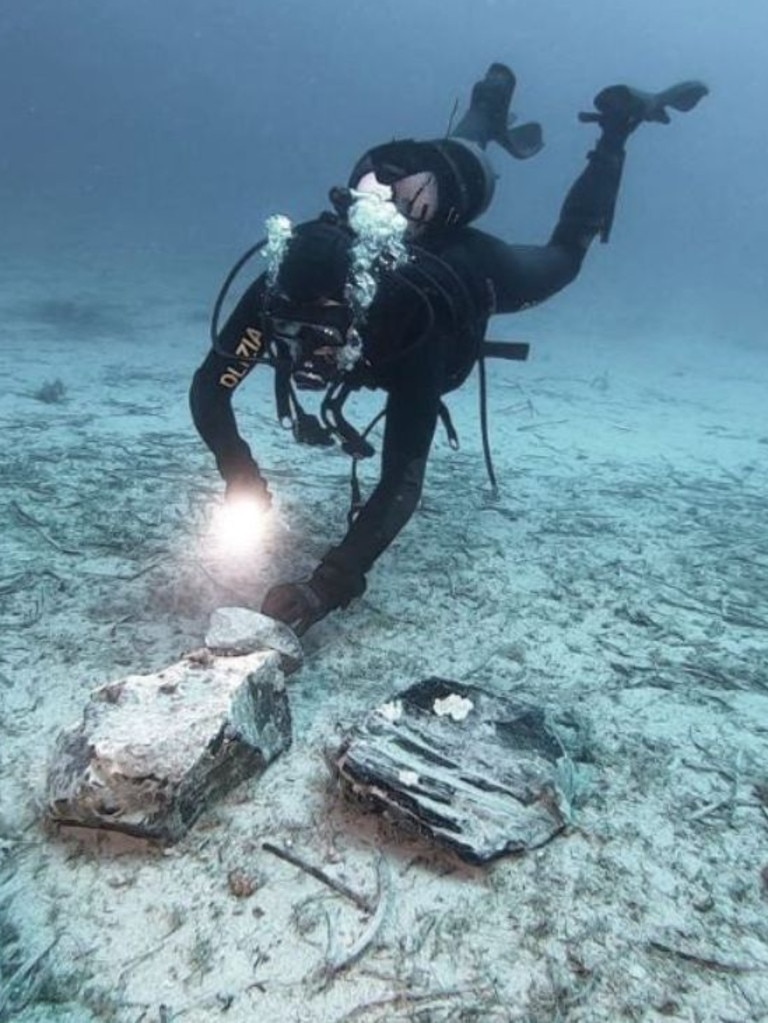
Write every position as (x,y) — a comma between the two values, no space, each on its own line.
(152,752)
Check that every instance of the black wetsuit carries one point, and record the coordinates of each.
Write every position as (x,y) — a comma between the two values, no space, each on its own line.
(494,277)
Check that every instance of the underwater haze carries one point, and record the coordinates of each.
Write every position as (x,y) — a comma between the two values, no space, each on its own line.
(615,582)
(165,132)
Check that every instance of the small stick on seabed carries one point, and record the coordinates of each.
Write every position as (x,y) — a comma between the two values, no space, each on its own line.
(28,520)
(706,961)
(745,620)
(338,886)
(402,1000)
(26,980)
(710,808)
(15,583)
(539,425)
(143,956)
(339,961)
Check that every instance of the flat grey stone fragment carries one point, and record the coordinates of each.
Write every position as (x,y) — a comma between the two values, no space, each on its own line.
(153,751)
(238,630)
(475,771)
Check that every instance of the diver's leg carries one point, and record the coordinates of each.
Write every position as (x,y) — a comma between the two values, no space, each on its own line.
(525,275)
(590,204)
(488,112)
(488,118)
(589,207)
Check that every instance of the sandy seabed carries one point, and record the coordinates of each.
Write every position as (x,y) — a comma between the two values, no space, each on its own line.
(620,576)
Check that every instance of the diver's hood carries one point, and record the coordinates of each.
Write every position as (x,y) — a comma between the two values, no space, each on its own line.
(440,182)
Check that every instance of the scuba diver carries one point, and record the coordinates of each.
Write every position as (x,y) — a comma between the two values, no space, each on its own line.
(339,308)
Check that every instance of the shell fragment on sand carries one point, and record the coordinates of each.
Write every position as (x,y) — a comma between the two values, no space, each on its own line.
(473,770)
(154,751)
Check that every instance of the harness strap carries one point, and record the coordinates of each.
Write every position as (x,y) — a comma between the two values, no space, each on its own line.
(450,429)
(352,441)
(283,391)
(517,350)
(306,428)
(484,423)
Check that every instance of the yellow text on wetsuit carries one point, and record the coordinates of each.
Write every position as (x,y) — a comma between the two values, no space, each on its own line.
(248,349)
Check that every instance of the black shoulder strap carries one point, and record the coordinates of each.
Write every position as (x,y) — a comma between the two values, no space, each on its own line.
(484,423)
(517,350)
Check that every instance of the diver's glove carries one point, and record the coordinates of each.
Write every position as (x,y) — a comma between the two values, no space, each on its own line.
(247,482)
(301,604)
(619,109)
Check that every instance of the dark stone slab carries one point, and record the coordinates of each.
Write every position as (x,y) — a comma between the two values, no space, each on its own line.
(478,772)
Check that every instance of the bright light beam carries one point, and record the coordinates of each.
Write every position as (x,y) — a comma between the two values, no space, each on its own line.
(238,526)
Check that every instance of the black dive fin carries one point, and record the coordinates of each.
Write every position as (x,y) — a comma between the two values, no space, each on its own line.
(488,113)
(621,103)
(684,96)
(522,141)
(489,120)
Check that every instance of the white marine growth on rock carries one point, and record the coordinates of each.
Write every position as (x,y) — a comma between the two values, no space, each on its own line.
(454,706)
(392,711)
(409,778)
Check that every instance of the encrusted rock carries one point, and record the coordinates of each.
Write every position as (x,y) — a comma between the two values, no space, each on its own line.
(153,751)
(481,773)
(238,630)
